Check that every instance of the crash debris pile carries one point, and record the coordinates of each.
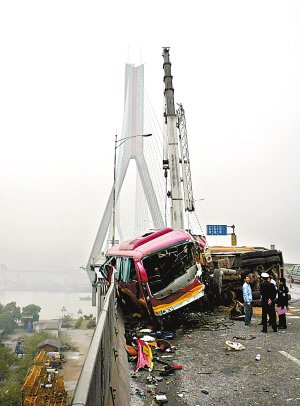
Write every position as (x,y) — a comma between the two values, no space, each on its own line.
(43,386)
(151,350)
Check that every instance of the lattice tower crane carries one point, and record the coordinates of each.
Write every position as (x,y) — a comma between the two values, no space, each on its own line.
(173,121)
(173,150)
(185,158)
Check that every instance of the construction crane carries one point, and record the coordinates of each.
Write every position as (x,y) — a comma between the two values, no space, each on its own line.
(185,160)
(173,150)
(43,386)
(173,121)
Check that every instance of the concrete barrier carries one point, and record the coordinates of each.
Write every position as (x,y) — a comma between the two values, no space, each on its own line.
(104,379)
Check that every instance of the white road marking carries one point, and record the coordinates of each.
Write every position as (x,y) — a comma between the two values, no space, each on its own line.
(296,360)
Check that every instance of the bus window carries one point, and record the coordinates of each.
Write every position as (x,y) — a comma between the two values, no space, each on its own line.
(133,276)
(125,269)
(105,268)
(167,265)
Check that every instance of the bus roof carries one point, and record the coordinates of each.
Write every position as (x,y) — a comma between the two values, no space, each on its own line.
(154,240)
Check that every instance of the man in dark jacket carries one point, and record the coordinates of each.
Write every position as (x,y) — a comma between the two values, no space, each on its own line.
(267,297)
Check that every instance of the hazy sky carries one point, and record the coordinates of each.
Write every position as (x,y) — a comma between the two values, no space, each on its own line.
(236,69)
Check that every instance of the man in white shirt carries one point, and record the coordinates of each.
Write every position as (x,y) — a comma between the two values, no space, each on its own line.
(247,293)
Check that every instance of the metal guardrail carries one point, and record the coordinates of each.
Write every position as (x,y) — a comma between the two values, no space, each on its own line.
(99,382)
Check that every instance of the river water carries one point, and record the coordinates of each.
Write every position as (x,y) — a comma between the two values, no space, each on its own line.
(51,303)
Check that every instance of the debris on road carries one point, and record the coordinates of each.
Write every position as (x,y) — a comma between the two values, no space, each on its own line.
(234,346)
(130,350)
(144,355)
(161,398)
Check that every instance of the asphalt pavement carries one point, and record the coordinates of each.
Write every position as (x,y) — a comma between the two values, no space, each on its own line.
(215,376)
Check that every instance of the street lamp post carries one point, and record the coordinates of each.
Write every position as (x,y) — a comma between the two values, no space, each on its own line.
(120,141)
(62,311)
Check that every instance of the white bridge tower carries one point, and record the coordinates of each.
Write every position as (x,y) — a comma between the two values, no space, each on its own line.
(133,124)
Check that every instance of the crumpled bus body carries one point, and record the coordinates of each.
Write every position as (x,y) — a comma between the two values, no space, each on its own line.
(157,271)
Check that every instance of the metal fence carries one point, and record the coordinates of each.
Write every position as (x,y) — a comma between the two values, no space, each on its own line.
(104,379)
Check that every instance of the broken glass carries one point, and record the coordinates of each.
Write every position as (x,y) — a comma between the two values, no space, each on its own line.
(167,265)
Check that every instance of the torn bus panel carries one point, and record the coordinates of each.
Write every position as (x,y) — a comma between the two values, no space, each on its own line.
(144,355)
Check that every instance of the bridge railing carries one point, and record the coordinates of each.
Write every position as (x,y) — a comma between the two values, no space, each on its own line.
(104,379)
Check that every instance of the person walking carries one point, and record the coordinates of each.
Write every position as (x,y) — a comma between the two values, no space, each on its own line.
(247,294)
(267,297)
(282,303)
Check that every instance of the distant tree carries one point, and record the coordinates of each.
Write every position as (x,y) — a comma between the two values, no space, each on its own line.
(91,324)
(67,321)
(7,358)
(7,322)
(13,309)
(31,310)
(6,355)
(78,322)
(4,370)
(30,342)
(88,317)
(10,395)
(1,308)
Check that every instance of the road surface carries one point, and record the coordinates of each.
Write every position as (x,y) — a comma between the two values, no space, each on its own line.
(212,375)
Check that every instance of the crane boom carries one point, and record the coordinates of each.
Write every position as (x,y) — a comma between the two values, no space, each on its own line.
(173,151)
(185,158)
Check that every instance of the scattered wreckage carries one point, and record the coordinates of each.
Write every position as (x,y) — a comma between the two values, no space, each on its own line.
(150,352)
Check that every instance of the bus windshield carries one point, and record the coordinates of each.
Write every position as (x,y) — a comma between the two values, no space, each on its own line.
(165,266)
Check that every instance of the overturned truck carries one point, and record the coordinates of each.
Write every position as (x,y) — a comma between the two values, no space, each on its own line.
(232,264)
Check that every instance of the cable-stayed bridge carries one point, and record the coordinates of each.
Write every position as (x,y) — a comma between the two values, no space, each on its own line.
(147,199)
(105,376)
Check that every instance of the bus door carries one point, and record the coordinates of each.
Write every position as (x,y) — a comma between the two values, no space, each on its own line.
(127,278)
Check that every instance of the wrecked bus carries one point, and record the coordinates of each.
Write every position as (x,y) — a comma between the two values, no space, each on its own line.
(158,271)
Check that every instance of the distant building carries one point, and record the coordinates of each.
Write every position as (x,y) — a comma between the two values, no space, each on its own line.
(51,326)
(49,345)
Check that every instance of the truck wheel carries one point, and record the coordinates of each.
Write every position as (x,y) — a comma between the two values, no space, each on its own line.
(251,254)
(272,260)
(227,297)
(269,253)
(253,261)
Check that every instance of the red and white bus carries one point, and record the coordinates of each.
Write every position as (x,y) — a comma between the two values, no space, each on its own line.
(158,271)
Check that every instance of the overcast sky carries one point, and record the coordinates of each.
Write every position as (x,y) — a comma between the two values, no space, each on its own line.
(236,70)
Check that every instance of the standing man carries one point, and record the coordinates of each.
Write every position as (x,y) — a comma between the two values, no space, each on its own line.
(267,297)
(247,293)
